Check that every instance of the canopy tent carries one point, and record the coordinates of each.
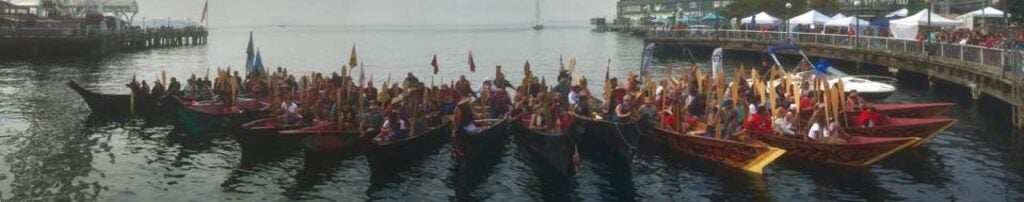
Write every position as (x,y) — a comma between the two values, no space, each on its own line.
(686,19)
(761,18)
(847,22)
(898,13)
(906,28)
(839,16)
(987,12)
(810,17)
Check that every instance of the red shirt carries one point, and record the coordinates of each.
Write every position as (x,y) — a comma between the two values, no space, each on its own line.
(869,117)
(668,121)
(759,125)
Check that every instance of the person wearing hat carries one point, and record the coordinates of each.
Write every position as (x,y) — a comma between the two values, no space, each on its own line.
(396,127)
(854,102)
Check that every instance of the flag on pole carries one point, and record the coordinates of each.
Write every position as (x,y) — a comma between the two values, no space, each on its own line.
(352,58)
(257,63)
(472,65)
(250,54)
(648,56)
(205,11)
(362,75)
(433,63)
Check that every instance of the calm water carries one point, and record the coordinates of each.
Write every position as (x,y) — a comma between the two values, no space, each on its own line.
(52,150)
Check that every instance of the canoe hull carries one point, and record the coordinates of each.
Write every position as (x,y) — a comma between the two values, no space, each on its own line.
(558,151)
(408,150)
(905,127)
(746,157)
(122,106)
(602,137)
(490,143)
(859,152)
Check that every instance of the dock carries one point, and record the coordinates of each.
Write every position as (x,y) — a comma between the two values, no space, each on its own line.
(41,42)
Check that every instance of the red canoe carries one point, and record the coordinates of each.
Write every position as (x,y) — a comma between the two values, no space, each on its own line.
(327,136)
(855,152)
(924,128)
(910,110)
(748,157)
(219,109)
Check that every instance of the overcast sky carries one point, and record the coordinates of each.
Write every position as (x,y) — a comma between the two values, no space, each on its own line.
(373,12)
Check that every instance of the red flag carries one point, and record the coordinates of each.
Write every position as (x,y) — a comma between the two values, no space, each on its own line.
(433,62)
(472,65)
(205,11)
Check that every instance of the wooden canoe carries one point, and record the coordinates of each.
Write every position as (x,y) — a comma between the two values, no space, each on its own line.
(556,150)
(204,118)
(600,136)
(924,128)
(120,106)
(327,136)
(744,156)
(911,110)
(409,148)
(490,141)
(857,151)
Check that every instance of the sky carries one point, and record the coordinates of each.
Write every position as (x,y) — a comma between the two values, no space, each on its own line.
(223,13)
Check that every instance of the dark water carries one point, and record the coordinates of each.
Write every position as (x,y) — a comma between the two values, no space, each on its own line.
(52,150)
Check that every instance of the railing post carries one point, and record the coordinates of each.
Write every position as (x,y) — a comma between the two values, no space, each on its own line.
(961,53)
(942,50)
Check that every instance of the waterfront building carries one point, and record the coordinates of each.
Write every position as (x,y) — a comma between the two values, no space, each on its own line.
(642,11)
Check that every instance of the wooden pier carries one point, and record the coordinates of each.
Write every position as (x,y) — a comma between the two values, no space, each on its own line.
(42,42)
(993,72)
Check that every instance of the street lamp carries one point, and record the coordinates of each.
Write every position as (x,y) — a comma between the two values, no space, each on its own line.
(788,15)
(856,27)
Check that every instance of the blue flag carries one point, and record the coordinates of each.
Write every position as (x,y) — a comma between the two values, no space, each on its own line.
(250,55)
(257,66)
(648,56)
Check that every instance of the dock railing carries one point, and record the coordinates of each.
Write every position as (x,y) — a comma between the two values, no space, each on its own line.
(87,32)
(993,59)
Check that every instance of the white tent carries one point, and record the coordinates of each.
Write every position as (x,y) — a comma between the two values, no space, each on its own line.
(987,12)
(761,18)
(847,22)
(906,28)
(898,13)
(838,16)
(810,17)
(922,19)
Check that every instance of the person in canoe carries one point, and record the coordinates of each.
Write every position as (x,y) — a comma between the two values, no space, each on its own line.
(624,110)
(759,123)
(854,102)
(869,117)
(395,127)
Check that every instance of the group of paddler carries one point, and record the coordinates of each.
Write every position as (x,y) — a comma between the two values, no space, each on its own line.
(762,102)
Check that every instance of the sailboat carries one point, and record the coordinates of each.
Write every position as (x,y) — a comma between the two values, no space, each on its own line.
(536,23)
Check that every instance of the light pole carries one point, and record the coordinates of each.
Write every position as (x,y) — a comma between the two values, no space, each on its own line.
(856,27)
(788,15)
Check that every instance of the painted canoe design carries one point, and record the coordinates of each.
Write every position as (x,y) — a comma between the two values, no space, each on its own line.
(747,157)
(855,152)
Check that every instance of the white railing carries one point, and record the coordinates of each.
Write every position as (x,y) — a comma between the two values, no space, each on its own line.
(994,58)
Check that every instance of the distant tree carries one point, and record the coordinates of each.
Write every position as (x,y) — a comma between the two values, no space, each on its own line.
(915,6)
(777,8)
(1016,9)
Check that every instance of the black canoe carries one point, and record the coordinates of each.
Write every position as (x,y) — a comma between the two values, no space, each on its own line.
(264,135)
(121,106)
(556,150)
(491,140)
(397,153)
(327,136)
(596,136)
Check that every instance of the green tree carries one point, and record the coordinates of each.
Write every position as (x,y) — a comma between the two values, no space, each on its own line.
(777,8)
(915,6)
(1016,9)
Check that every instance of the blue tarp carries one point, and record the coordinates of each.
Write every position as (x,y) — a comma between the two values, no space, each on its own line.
(784,47)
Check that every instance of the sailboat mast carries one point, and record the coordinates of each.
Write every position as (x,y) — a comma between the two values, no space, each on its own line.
(537,19)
